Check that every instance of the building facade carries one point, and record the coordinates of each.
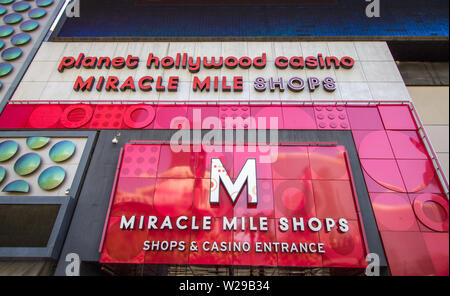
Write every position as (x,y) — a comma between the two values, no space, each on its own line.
(225,138)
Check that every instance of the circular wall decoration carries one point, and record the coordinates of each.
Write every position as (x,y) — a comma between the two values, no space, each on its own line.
(5,69)
(2,174)
(37,13)
(12,18)
(21,6)
(11,53)
(8,149)
(52,178)
(6,1)
(27,164)
(62,151)
(3,10)
(28,26)
(439,224)
(45,116)
(2,44)
(19,186)
(44,3)
(6,31)
(20,39)
(76,116)
(36,143)
(139,116)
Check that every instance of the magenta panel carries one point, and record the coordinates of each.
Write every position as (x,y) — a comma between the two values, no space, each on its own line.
(373,144)
(407,145)
(292,164)
(134,196)
(393,212)
(293,199)
(438,248)
(331,117)
(239,117)
(107,117)
(407,254)
(328,163)
(385,172)
(299,118)
(365,118)
(344,249)
(123,246)
(140,161)
(419,176)
(45,116)
(264,116)
(174,197)
(166,114)
(15,116)
(397,117)
(334,199)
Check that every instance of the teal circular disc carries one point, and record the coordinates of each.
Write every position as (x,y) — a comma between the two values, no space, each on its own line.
(62,151)
(2,44)
(8,149)
(27,164)
(44,3)
(21,6)
(3,10)
(20,39)
(37,13)
(6,30)
(19,186)
(6,1)
(11,53)
(37,143)
(12,18)
(2,174)
(52,178)
(5,69)
(28,26)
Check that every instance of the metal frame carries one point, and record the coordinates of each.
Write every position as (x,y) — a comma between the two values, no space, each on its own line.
(67,203)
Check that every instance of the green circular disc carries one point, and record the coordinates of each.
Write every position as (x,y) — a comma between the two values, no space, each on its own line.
(27,164)
(11,53)
(37,13)
(3,10)
(20,39)
(36,143)
(2,44)
(5,69)
(21,6)
(8,149)
(6,1)
(62,151)
(6,30)
(12,18)
(2,174)
(19,186)
(52,178)
(44,3)
(28,26)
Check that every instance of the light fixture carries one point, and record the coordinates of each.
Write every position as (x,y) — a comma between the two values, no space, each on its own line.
(115,140)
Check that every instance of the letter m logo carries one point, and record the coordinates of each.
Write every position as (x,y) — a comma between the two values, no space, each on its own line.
(220,175)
